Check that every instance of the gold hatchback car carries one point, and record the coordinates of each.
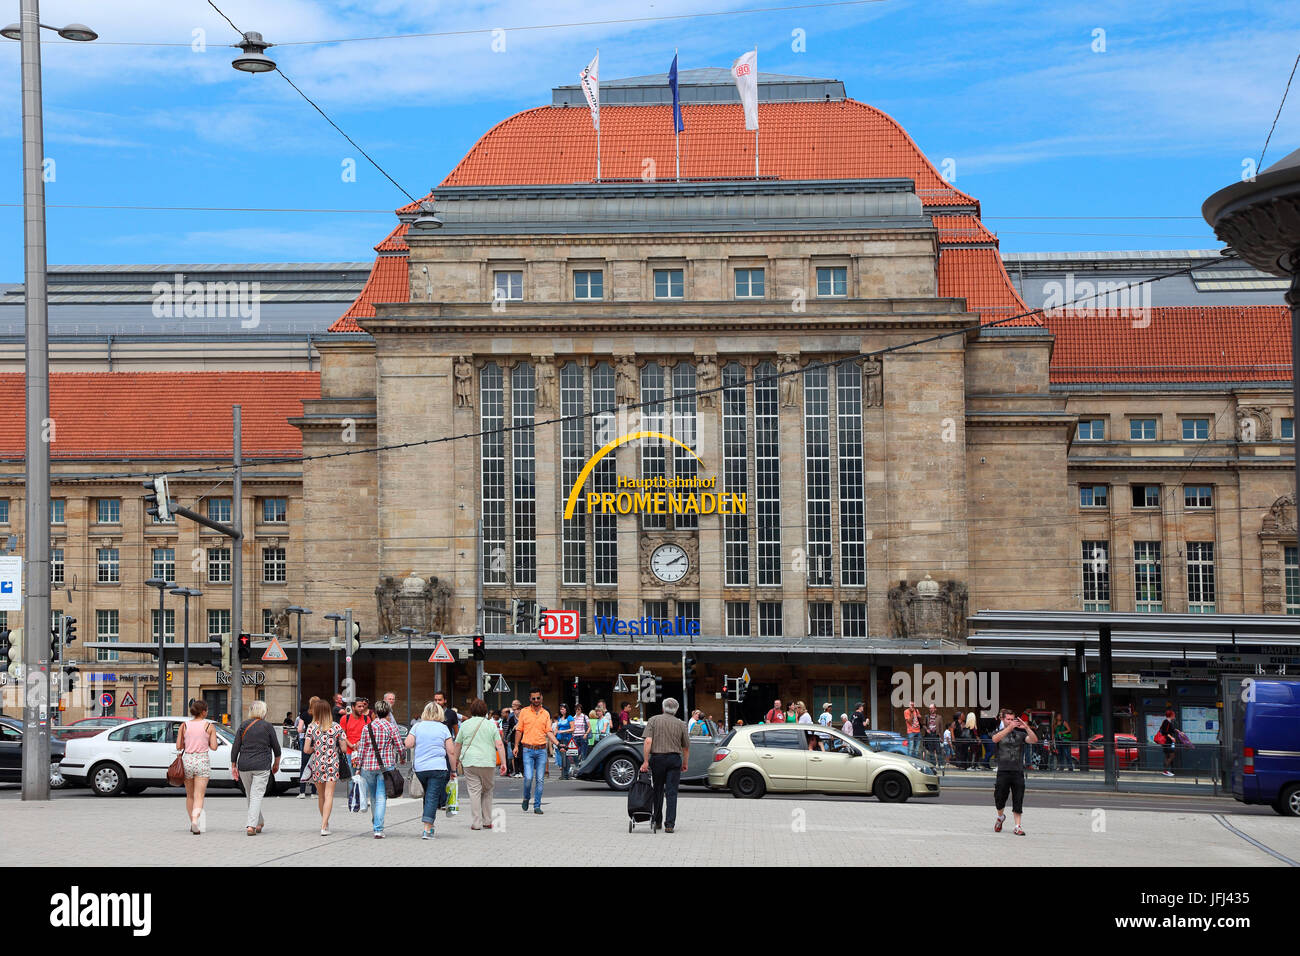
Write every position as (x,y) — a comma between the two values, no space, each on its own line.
(798,758)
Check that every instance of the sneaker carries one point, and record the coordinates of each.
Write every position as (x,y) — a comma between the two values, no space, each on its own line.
(302,796)
(523,804)
(426,834)
(324,831)
(1018,831)
(997,827)
(379,834)
(537,810)
(1167,773)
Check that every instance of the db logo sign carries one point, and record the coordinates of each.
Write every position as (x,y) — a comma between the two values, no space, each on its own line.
(559,626)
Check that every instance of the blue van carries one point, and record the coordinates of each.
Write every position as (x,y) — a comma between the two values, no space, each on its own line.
(1266,766)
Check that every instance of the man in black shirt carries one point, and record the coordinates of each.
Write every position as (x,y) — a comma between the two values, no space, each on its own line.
(1010,741)
(860,720)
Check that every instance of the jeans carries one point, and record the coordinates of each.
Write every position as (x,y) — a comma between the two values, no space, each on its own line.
(375,789)
(255,782)
(534,768)
(914,744)
(582,748)
(665,774)
(434,783)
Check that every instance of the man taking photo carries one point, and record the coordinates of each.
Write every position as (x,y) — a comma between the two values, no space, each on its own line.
(1010,741)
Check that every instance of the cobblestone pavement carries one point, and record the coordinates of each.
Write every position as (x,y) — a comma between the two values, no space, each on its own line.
(712,830)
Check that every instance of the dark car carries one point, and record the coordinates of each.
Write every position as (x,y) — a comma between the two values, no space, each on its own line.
(11,755)
(616,758)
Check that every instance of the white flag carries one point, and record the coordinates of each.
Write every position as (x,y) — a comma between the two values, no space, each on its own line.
(590,78)
(745,72)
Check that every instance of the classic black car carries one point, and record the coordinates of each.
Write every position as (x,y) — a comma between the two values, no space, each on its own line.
(11,755)
(617,757)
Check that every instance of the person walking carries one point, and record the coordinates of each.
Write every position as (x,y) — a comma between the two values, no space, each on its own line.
(353,723)
(509,721)
(972,739)
(195,739)
(1010,741)
(1168,733)
(379,749)
(533,734)
(581,728)
(624,716)
(860,720)
(433,751)
(391,700)
(304,719)
(776,715)
(563,731)
(602,724)
(665,754)
(825,717)
(339,708)
(479,747)
(254,760)
(326,744)
(933,729)
(912,721)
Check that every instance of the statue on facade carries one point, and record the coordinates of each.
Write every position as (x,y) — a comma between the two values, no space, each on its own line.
(464,372)
(412,601)
(544,369)
(1254,423)
(875,391)
(789,369)
(706,378)
(627,390)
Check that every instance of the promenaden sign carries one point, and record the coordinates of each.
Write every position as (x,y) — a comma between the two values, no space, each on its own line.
(657,495)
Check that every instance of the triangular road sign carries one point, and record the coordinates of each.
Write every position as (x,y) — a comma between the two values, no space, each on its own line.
(274,652)
(441,654)
(620,687)
(502,687)
(127,700)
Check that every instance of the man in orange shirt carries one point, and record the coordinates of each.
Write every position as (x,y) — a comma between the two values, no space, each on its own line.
(532,732)
(912,718)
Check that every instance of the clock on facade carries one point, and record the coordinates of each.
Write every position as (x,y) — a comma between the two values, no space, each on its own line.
(669,563)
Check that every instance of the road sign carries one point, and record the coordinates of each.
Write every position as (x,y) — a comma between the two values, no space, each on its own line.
(441,654)
(105,700)
(647,688)
(621,686)
(502,687)
(274,652)
(745,677)
(11,583)
(127,699)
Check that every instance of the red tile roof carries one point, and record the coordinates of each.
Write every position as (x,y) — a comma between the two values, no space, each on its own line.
(819,140)
(977,275)
(1173,344)
(162,414)
(388,282)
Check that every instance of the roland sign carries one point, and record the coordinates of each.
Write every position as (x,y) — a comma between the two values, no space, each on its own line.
(977,690)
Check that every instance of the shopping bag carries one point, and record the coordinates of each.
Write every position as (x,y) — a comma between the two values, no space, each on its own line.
(414,788)
(453,796)
(354,796)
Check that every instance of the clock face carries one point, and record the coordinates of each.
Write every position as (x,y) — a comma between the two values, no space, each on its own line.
(669,563)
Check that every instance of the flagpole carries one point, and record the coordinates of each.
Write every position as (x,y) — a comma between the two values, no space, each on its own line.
(677,136)
(597,153)
(756,124)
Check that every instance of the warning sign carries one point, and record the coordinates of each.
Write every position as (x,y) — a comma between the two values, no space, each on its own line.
(441,654)
(127,699)
(274,652)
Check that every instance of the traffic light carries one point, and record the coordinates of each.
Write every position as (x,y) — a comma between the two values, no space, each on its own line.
(689,671)
(69,682)
(518,606)
(355,644)
(16,652)
(157,503)
(4,644)
(69,629)
(539,616)
(479,650)
(245,646)
(659,687)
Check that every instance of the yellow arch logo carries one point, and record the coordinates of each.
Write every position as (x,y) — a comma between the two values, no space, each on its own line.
(591,463)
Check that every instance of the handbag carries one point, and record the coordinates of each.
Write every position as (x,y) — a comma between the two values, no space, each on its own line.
(1161,739)
(393,782)
(176,772)
(345,763)
(414,788)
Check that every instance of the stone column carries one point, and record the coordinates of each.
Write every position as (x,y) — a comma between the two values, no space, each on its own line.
(708,423)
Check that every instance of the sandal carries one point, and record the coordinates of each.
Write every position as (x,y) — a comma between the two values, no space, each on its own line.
(250,831)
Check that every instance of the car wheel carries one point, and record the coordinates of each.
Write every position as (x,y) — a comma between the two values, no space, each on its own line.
(1288,801)
(892,788)
(747,785)
(57,780)
(107,780)
(135,789)
(620,771)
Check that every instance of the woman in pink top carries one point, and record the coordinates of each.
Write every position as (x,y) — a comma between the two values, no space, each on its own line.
(195,739)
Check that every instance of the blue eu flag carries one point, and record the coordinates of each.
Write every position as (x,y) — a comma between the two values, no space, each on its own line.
(678,125)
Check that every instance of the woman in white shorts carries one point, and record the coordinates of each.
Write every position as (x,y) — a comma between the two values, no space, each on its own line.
(194,741)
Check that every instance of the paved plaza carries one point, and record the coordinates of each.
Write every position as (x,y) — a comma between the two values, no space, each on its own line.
(713,830)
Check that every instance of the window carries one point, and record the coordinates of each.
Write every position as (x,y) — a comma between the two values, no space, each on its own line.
(106,630)
(275,510)
(4,510)
(853,540)
(218,565)
(817,468)
(855,618)
(684,415)
(607,609)
(769,619)
(820,619)
(1094,496)
(737,619)
(604,531)
(108,565)
(654,458)
(56,565)
(164,564)
(735,474)
(219,509)
(788,739)
(508,285)
(767,475)
(689,611)
(495,622)
(169,626)
(268,621)
(1142,429)
(1200,577)
(749,283)
(1291,565)
(275,567)
(832,281)
(58,511)
(1198,496)
(493,470)
(1096,575)
(108,510)
(589,284)
(669,283)
(656,613)
(1196,429)
(218,623)
(1092,429)
(569,604)
(1146,496)
(1288,429)
(572,457)
(522,402)
(1147,579)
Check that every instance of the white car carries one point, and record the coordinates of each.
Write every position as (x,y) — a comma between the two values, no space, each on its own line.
(135,755)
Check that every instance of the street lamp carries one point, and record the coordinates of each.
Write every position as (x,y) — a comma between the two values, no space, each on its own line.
(253,59)
(334,646)
(162,584)
(36,736)
(187,593)
(300,611)
(408,631)
(1260,220)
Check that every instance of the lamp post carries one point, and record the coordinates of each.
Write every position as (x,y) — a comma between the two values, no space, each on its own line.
(334,646)
(162,584)
(36,726)
(1260,220)
(408,631)
(300,611)
(186,593)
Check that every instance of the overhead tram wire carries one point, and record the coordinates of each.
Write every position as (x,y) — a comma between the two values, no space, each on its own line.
(1269,138)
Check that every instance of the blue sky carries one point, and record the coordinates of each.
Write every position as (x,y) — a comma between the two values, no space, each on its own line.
(1039,124)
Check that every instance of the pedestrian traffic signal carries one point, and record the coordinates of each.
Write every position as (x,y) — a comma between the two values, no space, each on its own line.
(157,503)
(69,681)
(479,650)
(354,645)
(4,644)
(16,652)
(245,646)
(69,629)
(224,660)
(659,687)
(688,670)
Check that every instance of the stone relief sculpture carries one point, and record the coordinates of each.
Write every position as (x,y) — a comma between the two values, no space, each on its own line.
(874,370)
(1254,423)
(928,610)
(788,369)
(627,390)
(1281,517)
(706,377)
(464,372)
(412,602)
(544,369)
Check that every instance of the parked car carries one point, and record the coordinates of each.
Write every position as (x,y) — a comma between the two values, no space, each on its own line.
(87,727)
(886,741)
(11,755)
(1266,731)
(1127,752)
(763,758)
(136,755)
(617,758)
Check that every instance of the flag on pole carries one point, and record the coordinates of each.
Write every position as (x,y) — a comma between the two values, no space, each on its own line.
(745,72)
(590,79)
(678,125)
